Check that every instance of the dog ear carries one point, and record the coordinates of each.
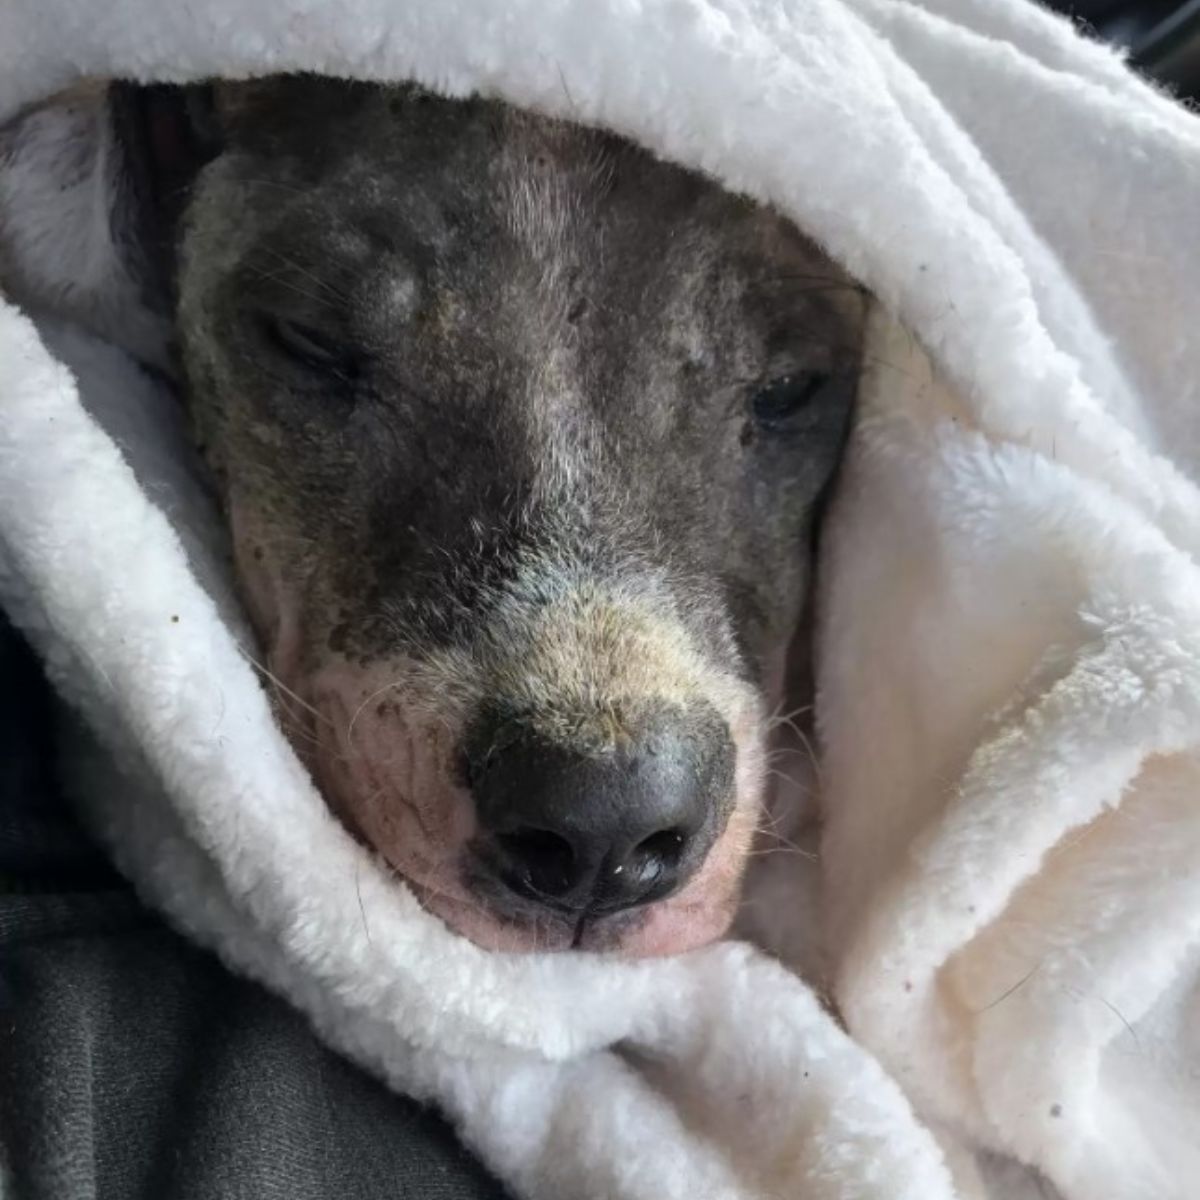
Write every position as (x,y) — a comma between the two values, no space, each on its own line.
(164,135)
(94,181)
(91,187)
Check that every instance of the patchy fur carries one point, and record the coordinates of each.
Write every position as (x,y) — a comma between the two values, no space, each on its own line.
(525,472)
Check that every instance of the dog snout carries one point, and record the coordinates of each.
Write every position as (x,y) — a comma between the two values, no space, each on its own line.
(592,826)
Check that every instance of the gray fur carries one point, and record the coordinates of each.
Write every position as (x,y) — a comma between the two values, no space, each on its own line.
(546,347)
(563,333)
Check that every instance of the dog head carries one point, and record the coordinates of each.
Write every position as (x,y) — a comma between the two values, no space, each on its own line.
(520,432)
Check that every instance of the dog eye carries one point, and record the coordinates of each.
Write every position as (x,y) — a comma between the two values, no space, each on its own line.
(310,347)
(773,405)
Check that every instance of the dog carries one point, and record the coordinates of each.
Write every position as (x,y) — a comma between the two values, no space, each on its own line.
(522,436)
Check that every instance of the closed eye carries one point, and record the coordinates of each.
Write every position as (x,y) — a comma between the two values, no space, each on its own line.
(775,404)
(309,347)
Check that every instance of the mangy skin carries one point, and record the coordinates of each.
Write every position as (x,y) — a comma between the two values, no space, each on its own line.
(530,477)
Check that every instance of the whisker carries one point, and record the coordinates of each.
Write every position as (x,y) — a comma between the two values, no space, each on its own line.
(316,298)
(784,844)
(774,822)
(285,689)
(796,850)
(338,293)
(785,752)
(774,721)
(293,728)
(270,183)
(875,360)
(811,754)
(773,773)
(823,282)
(476,904)
(358,712)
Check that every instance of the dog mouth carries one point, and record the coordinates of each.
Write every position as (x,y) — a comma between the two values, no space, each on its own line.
(491,919)
(699,913)
(522,842)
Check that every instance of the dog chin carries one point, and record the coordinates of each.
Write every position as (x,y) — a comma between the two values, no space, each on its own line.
(658,930)
(700,913)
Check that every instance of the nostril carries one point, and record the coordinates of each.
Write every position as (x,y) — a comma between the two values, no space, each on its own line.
(666,846)
(652,866)
(543,861)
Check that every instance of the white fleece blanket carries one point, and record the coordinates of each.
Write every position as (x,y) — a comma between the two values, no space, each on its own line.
(1009,650)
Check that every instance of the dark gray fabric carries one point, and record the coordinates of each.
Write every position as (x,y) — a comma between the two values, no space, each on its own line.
(134,1066)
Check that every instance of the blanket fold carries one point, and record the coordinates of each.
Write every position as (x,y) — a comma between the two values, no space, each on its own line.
(1008,644)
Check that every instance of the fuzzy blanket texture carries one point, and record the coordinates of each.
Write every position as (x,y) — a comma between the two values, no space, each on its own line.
(1009,646)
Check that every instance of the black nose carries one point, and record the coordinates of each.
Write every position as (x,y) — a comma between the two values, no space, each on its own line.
(600,829)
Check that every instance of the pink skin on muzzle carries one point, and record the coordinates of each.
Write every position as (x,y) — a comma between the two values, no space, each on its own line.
(392,776)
